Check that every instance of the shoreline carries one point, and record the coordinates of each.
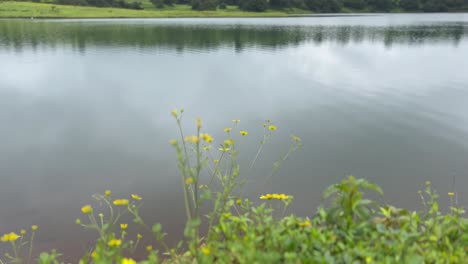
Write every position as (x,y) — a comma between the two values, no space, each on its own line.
(30,10)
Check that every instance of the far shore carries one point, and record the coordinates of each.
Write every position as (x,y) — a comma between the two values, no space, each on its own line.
(29,10)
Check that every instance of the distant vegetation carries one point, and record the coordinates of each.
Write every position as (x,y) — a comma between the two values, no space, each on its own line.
(318,6)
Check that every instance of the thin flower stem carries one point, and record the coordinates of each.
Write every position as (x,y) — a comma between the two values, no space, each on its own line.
(15,251)
(185,162)
(262,143)
(31,246)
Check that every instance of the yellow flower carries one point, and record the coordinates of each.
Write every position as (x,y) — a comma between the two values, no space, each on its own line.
(34,227)
(224,149)
(239,202)
(266,197)
(236,121)
(115,243)
(192,139)
(189,180)
(107,193)
(244,133)
(87,209)
(272,127)
(123,226)
(94,255)
(128,261)
(306,223)
(205,250)
(10,237)
(149,248)
(229,142)
(199,122)
(174,113)
(227,130)
(173,142)
(139,236)
(121,202)
(451,194)
(206,137)
(295,138)
(136,197)
(23,232)
(276,196)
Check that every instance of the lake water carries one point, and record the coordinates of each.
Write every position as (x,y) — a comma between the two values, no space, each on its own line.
(85,106)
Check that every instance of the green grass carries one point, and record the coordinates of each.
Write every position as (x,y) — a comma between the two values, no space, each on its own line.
(13,9)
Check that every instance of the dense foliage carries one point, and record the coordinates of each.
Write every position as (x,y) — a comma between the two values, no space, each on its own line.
(347,228)
(318,6)
(335,6)
(102,3)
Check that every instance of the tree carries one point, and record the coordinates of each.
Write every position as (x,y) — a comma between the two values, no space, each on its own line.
(204,4)
(381,5)
(158,3)
(324,6)
(409,5)
(435,6)
(253,5)
(279,3)
(356,4)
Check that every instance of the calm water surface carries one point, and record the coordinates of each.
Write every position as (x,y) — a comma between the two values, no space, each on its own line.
(84,107)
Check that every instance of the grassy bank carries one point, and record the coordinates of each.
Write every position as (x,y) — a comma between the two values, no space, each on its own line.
(44,10)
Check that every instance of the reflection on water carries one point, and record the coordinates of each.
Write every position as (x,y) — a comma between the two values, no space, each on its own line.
(84,107)
(166,35)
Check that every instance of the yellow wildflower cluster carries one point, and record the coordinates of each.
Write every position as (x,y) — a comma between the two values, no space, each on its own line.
(275,196)
(121,202)
(10,237)
(206,137)
(272,127)
(243,133)
(115,243)
(123,226)
(192,139)
(107,193)
(136,197)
